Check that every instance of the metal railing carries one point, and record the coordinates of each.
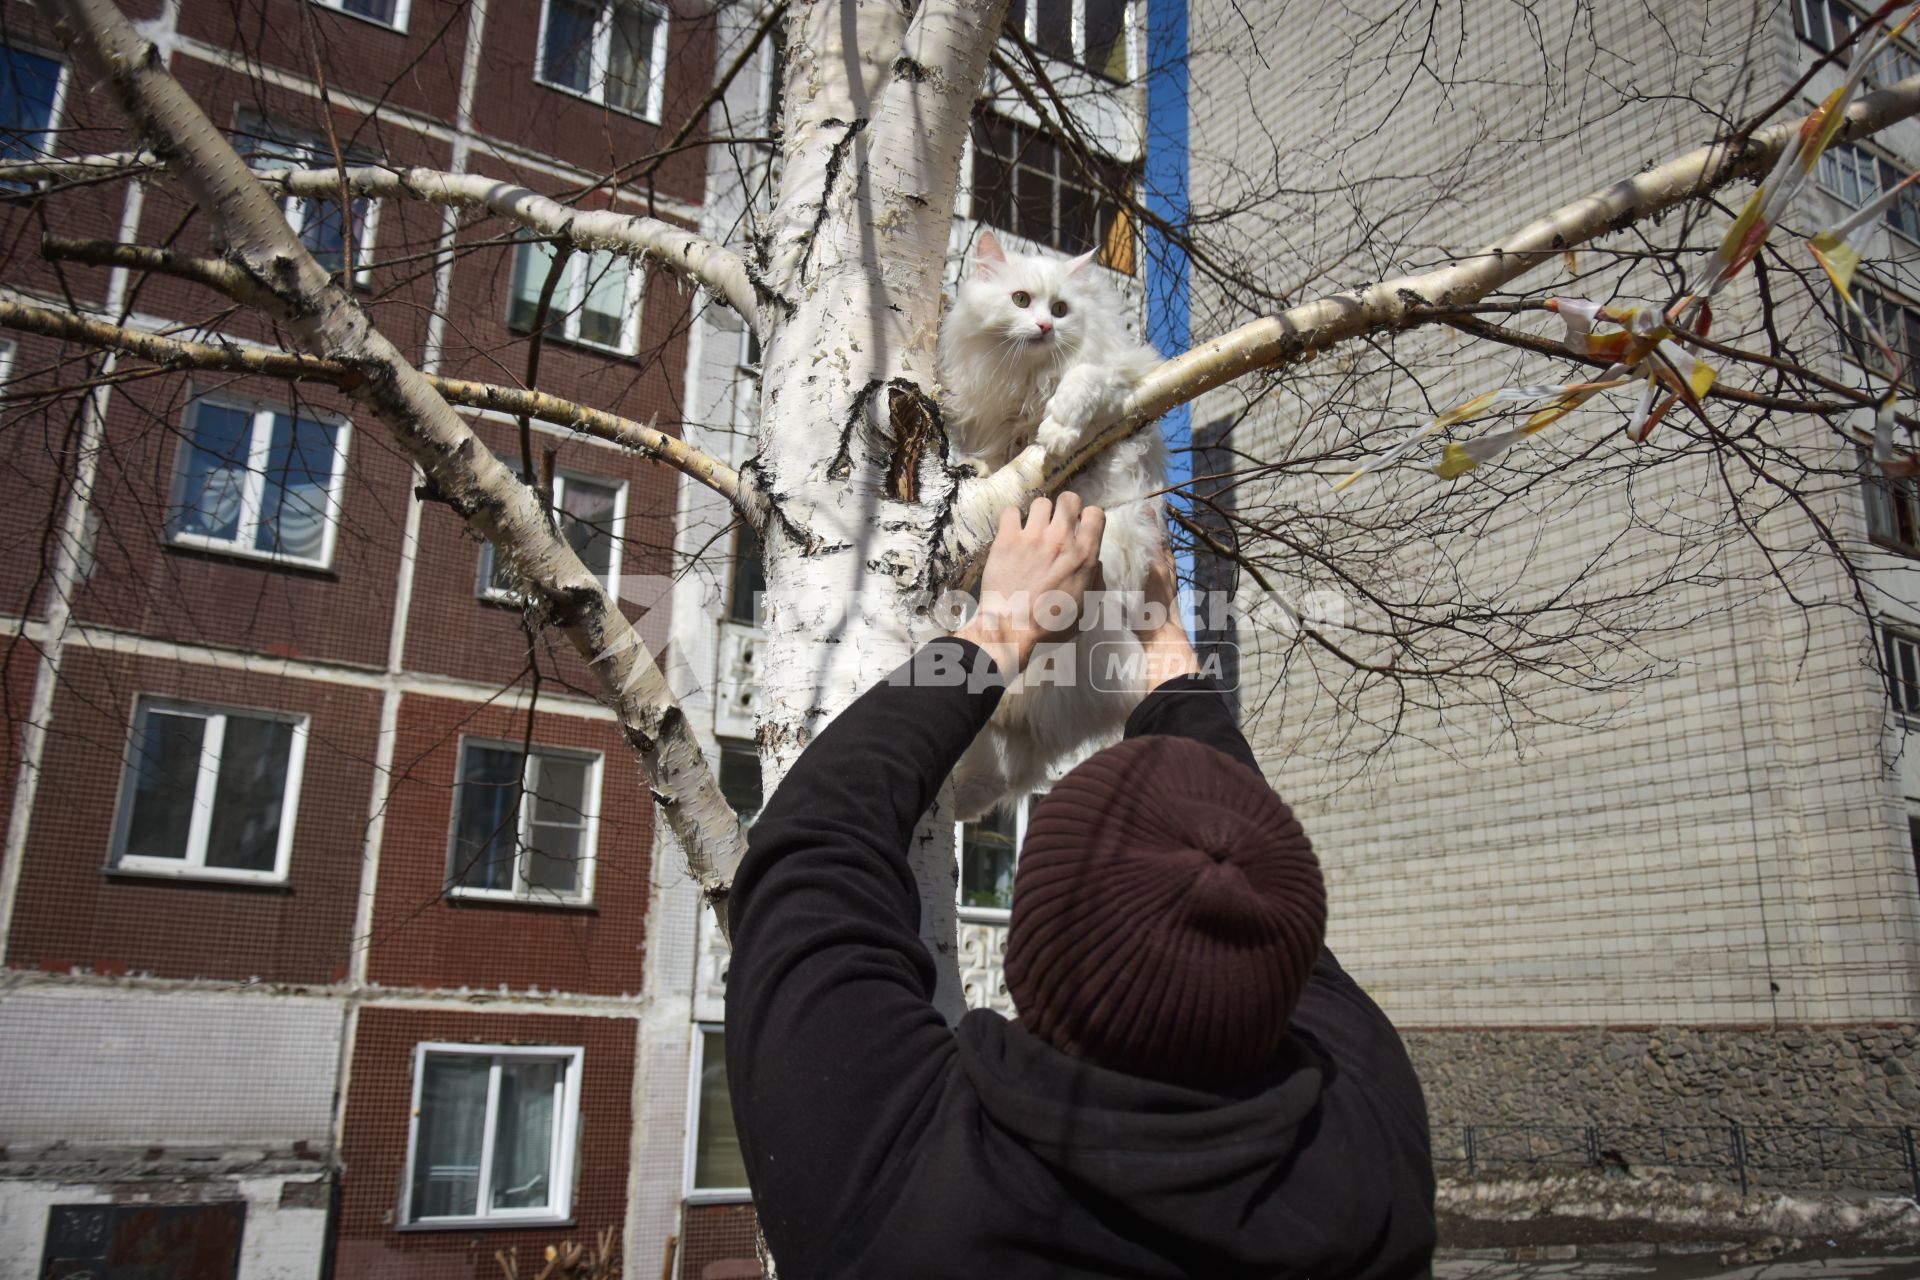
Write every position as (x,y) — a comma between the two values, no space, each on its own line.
(1781,1156)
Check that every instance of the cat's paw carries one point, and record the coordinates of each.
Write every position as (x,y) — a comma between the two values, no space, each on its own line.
(1088,396)
(1057,438)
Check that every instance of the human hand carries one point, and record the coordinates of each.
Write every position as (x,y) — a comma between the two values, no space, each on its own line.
(1169,652)
(1035,576)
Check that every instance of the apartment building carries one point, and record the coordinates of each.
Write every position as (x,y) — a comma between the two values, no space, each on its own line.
(1693,899)
(327,892)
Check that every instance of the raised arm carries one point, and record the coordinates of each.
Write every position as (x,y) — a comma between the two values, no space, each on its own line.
(833,1044)
(1183,703)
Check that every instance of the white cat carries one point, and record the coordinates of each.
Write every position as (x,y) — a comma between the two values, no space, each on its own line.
(1036,350)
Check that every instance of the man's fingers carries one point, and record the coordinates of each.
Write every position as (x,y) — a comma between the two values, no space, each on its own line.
(1039,514)
(1009,520)
(1093,524)
(1065,512)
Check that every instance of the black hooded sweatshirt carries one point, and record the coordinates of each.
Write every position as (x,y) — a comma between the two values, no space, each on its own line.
(881,1143)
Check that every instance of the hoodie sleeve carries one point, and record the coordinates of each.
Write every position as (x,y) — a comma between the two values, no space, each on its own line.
(1192,707)
(833,1043)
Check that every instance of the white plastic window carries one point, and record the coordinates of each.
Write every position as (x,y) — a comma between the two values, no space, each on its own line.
(209,792)
(613,52)
(525,826)
(491,1140)
(259,481)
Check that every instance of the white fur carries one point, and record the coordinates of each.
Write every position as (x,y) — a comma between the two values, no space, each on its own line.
(1017,375)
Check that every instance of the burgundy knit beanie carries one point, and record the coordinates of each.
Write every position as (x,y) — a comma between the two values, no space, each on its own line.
(1167,910)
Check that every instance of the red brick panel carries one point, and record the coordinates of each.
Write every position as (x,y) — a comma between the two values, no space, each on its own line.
(418,70)
(379,1099)
(421,937)
(74,914)
(581,132)
(140,581)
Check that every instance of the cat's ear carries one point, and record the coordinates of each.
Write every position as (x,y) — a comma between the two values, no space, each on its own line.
(1079,264)
(988,256)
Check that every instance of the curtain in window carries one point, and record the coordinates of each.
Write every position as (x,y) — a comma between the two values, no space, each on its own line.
(453,1122)
(630,69)
(586,518)
(523,1135)
(244,833)
(559,822)
(166,768)
(603,313)
(567,56)
(293,510)
(486,835)
(213,486)
(717,1162)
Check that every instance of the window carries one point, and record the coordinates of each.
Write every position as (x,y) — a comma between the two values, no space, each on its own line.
(1858,177)
(1023,183)
(1898,323)
(591,514)
(31,96)
(773,77)
(388,13)
(747,584)
(740,776)
(1893,506)
(612,51)
(718,1170)
(1902,654)
(989,850)
(596,302)
(1825,24)
(524,826)
(209,792)
(491,1142)
(259,482)
(1913,841)
(315,219)
(1086,33)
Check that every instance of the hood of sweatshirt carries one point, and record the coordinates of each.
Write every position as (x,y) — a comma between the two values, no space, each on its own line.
(1291,1176)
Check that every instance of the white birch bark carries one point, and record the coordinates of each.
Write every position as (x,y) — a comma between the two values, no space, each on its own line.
(326,322)
(851,454)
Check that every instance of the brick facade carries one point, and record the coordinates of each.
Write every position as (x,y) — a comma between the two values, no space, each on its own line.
(319,987)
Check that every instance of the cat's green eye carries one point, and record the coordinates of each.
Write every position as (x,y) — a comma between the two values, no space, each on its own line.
(1059,308)
(1021,298)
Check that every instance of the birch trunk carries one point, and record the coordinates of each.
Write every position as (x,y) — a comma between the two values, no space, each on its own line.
(851,452)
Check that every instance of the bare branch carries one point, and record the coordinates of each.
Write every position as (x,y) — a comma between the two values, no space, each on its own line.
(323,318)
(180,353)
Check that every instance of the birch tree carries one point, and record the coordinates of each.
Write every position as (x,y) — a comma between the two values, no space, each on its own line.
(863,518)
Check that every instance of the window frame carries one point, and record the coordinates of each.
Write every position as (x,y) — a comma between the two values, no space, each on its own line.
(1885,173)
(990,915)
(402,11)
(192,866)
(1878,301)
(259,445)
(1892,634)
(562,1162)
(1800,15)
(1902,496)
(523,893)
(62,89)
(563,314)
(690,1191)
(259,131)
(1064,173)
(617,531)
(1029,24)
(600,61)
